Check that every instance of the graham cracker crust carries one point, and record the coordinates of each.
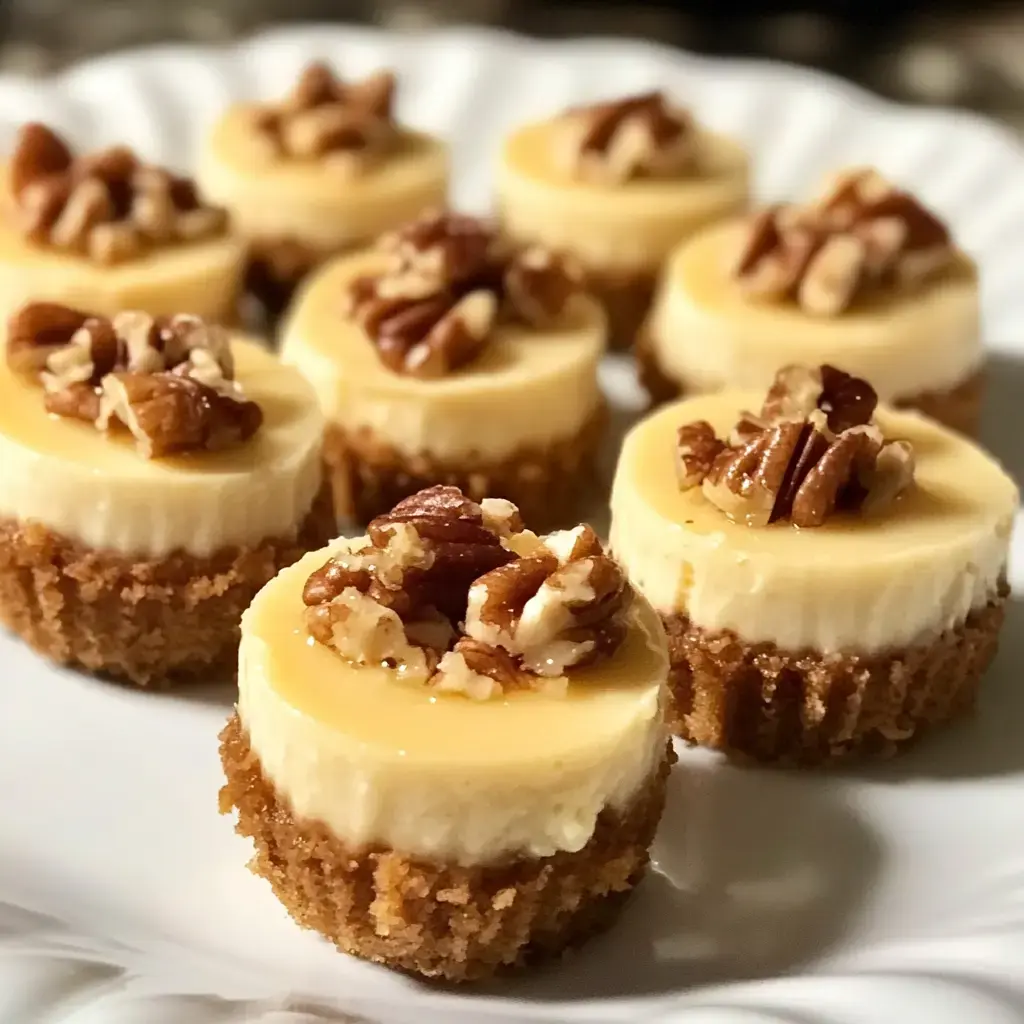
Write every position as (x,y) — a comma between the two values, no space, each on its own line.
(433,919)
(959,408)
(151,622)
(761,702)
(275,269)
(626,297)
(369,476)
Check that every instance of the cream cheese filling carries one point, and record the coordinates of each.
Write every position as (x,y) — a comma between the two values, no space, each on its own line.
(97,490)
(629,227)
(203,278)
(860,584)
(527,389)
(312,201)
(383,761)
(707,335)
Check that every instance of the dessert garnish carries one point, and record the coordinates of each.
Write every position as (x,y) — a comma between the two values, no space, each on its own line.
(108,206)
(862,235)
(813,450)
(347,124)
(640,136)
(462,597)
(168,380)
(449,280)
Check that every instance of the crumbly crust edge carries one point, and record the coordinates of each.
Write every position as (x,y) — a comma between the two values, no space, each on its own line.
(757,701)
(150,622)
(437,920)
(549,485)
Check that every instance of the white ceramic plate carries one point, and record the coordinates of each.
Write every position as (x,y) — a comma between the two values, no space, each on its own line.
(883,894)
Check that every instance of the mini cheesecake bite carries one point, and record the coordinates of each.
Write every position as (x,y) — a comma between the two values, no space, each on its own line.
(618,185)
(864,277)
(831,576)
(107,232)
(324,169)
(447,355)
(153,476)
(449,747)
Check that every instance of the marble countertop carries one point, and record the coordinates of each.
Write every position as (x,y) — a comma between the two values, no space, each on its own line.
(974,60)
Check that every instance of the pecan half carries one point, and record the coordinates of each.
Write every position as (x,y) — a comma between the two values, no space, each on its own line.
(461,544)
(638,136)
(38,153)
(170,412)
(861,235)
(37,330)
(448,281)
(812,450)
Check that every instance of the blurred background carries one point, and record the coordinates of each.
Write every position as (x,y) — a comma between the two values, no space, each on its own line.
(953,53)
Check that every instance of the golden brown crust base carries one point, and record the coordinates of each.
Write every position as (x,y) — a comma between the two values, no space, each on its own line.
(626,297)
(959,408)
(369,476)
(149,622)
(434,919)
(276,267)
(757,701)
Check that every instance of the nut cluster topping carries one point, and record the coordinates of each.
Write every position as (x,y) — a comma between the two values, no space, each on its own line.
(635,137)
(447,281)
(863,235)
(168,380)
(322,117)
(811,451)
(108,206)
(463,597)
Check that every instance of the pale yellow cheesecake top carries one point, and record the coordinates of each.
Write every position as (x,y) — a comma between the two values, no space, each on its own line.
(527,388)
(707,334)
(95,488)
(313,200)
(858,582)
(202,277)
(384,760)
(623,226)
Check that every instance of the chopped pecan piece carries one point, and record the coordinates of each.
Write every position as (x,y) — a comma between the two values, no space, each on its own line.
(552,616)
(529,618)
(539,285)
(365,632)
(812,450)
(77,401)
(639,136)
(697,447)
(862,235)
(170,412)
(454,250)
(478,670)
(107,206)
